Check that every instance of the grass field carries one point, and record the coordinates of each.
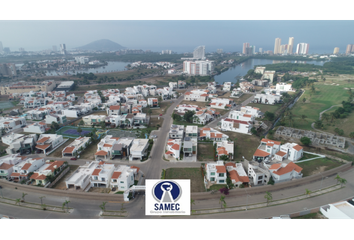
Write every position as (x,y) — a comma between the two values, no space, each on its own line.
(186,123)
(265,107)
(245,145)
(205,152)
(242,98)
(324,97)
(318,165)
(346,124)
(155,121)
(157,111)
(194,174)
(89,152)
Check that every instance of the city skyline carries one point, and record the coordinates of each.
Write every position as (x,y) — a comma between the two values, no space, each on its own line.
(146,34)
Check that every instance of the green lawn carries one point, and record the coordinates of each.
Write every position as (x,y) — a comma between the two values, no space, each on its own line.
(324,97)
(265,107)
(342,123)
(318,165)
(205,152)
(194,174)
(216,187)
(310,216)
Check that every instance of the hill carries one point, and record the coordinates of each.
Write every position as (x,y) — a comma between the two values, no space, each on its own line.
(103,45)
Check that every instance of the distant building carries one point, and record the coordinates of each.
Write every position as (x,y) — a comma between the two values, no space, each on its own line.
(166,52)
(54,48)
(65,86)
(199,52)
(202,68)
(290,45)
(336,50)
(219,51)
(350,49)
(62,49)
(8,70)
(277,46)
(302,48)
(245,46)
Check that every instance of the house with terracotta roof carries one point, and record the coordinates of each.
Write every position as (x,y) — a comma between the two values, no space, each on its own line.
(282,171)
(11,123)
(254,111)
(7,162)
(225,148)
(173,149)
(113,110)
(37,127)
(266,150)
(239,115)
(37,114)
(138,149)
(203,116)
(104,147)
(48,169)
(235,125)
(22,169)
(101,175)
(153,102)
(48,142)
(246,86)
(76,147)
(215,173)
(290,151)
(199,95)
(123,177)
(207,133)
(237,174)
(183,108)
(236,93)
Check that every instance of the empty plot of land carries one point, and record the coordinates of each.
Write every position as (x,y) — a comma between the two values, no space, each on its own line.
(58,151)
(194,174)
(205,152)
(241,99)
(157,111)
(318,165)
(265,107)
(156,122)
(61,183)
(199,104)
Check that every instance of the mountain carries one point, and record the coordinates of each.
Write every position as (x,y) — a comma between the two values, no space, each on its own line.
(104,45)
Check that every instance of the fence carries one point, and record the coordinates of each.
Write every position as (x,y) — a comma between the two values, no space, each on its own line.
(67,169)
(65,140)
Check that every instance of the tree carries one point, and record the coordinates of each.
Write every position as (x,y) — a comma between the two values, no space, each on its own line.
(222,200)
(18,201)
(342,182)
(176,117)
(224,157)
(224,190)
(269,197)
(79,130)
(103,125)
(318,124)
(66,203)
(188,116)
(306,141)
(303,118)
(304,100)
(41,199)
(81,123)
(54,125)
(23,196)
(103,206)
(269,115)
(351,135)
(313,89)
(337,178)
(308,192)
(325,117)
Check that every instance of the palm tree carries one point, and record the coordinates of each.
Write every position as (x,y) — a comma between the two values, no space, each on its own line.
(23,196)
(41,199)
(308,192)
(342,182)
(18,200)
(222,200)
(269,197)
(65,203)
(337,178)
(103,206)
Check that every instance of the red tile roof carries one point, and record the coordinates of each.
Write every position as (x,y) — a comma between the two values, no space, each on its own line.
(15,174)
(169,152)
(288,168)
(107,145)
(5,166)
(43,139)
(58,164)
(222,151)
(116,175)
(220,169)
(281,153)
(260,153)
(175,146)
(271,141)
(68,149)
(297,147)
(43,147)
(26,166)
(38,176)
(234,176)
(275,166)
(114,107)
(230,164)
(96,172)
(134,167)
(101,153)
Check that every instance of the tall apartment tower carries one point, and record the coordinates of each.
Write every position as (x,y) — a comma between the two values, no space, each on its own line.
(277,46)
(199,52)
(336,50)
(290,45)
(260,50)
(62,49)
(245,46)
(1,49)
(302,48)
(350,48)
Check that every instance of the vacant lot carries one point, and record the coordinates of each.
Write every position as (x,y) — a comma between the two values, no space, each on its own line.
(157,111)
(61,184)
(194,174)
(241,99)
(199,104)
(265,107)
(89,152)
(154,122)
(317,215)
(58,151)
(346,124)
(205,152)
(318,165)
(245,145)
(324,97)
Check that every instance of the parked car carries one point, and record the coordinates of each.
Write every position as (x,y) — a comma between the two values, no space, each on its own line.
(74,158)
(0,187)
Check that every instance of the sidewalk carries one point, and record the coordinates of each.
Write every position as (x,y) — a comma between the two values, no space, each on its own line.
(271,203)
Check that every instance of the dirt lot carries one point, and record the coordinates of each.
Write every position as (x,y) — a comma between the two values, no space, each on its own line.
(99,190)
(318,165)
(199,104)
(242,98)
(205,152)
(155,121)
(89,152)
(194,174)
(61,184)
(58,151)
(157,111)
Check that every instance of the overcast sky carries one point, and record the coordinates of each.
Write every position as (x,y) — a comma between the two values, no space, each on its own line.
(175,35)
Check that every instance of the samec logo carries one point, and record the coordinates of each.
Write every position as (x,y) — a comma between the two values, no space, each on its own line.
(167,191)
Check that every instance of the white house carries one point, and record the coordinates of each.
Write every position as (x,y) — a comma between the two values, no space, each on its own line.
(284,87)
(198,95)
(113,110)
(173,85)
(259,70)
(19,143)
(81,178)
(338,210)
(238,115)
(290,151)
(123,177)
(268,75)
(9,124)
(212,134)
(227,86)
(246,86)
(267,98)
(258,173)
(40,175)
(228,124)
(215,173)
(104,147)
(176,131)
(153,102)
(138,150)
(266,150)
(285,171)
(101,176)
(47,142)
(7,162)
(92,120)
(173,148)
(58,118)
(76,147)
(21,170)
(37,127)
(238,175)
(225,148)
(251,111)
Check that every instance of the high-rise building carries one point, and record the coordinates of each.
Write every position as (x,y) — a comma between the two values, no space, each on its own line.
(8,69)
(1,49)
(166,52)
(349,48)
(260,50)
(199,52)
(336,50)
(277,46)
(245,46)
(302,48)
(283,49)
(63,49)
(202,68)
(290,45)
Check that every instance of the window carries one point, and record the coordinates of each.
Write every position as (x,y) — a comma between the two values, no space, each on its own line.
(103,179)
(95,178)
(212,179)
(212,173)
(260,177)
(221,174)
(1,171)
(221,181)
(121,181)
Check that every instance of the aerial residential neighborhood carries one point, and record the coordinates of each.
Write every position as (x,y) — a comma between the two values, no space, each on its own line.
(90,132)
